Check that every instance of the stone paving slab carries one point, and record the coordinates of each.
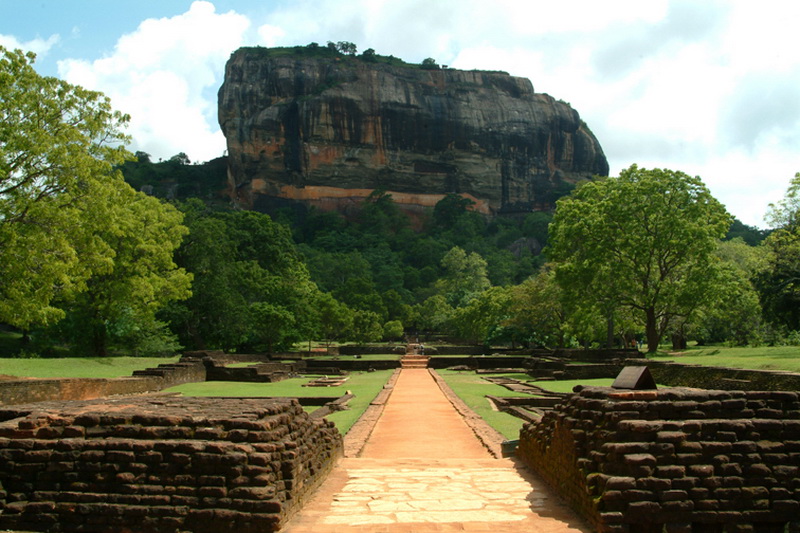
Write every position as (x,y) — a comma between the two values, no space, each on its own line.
(441,496)
(424,471)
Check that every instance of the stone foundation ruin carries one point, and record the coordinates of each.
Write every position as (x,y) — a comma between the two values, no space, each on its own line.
(674,459)
(155,464)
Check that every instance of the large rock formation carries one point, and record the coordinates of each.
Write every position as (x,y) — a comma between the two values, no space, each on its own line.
(326,129)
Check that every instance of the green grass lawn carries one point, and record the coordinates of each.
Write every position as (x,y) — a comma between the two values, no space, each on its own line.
(472,389)
(80,367)
(568,384)
(365,386)
(758,358)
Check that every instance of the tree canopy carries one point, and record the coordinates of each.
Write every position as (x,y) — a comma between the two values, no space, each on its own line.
(119,305)
(779,282)
(251,288)
(60,145)
(643,241)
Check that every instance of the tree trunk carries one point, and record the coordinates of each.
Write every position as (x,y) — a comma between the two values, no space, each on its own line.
(651,330)
(610,332)
(99,348)
(678,341)
(197,339)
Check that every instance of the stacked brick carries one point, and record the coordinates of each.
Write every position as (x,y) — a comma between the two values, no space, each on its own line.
(674,459)
(159,465)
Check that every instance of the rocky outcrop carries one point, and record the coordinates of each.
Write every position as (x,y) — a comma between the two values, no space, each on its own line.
(329,129)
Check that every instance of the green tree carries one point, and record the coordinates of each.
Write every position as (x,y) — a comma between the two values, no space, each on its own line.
(733,317)
(535,311)
(369,55)
(784,214)
(434,313)
(644,241)
(120,302)
(393,330)
(251,290)
(779,283)
(216,314)
(449,209)
(365,327)
(749,234)
(334,319)
(59,147)
(464,278)
(478,321)
(429,63)
(346,47)
(535,226)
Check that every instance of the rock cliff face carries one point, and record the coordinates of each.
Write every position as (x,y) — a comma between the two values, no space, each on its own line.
(329,130)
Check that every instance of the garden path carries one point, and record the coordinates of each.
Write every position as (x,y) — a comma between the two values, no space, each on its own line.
(423,470)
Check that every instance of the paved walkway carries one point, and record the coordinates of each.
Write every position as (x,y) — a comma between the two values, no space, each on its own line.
(422,470)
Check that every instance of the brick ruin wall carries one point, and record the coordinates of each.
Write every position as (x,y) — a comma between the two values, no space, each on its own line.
(21,391)
(709,377)
(673,459)
(160,464)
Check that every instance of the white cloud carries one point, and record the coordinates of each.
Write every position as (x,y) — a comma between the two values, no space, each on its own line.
(165,75)
(702,87)
(38,46)
(270,35)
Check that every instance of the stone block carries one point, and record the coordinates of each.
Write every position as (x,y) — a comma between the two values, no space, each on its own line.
(621,483)
(671,471)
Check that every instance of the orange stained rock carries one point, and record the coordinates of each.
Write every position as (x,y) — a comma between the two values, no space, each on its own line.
(319,193)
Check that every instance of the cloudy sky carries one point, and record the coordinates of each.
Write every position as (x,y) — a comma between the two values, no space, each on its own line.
(711,88)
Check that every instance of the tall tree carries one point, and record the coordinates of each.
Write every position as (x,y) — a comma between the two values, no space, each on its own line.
(479,319)
(464,278)
(251,291)
(645,241)
(59,147)
(334,319)
(779,284)
(535,311)
(144,234)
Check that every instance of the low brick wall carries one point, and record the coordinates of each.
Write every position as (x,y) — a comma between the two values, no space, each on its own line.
(597,355)
(257,373)
(222,358)
(592,371)
(155,465)
(680,459)
(481,362)
(351,364)
(682,375)
(19,391)
(352,349)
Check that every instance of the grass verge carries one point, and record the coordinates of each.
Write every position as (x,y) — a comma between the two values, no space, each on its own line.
(80,367)
(754,358)
(568,384)
(472,389)
(365,386)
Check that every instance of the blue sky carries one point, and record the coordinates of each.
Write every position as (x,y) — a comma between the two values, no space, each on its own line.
(710,88)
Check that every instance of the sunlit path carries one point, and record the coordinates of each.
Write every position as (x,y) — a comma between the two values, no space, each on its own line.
(423,470)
